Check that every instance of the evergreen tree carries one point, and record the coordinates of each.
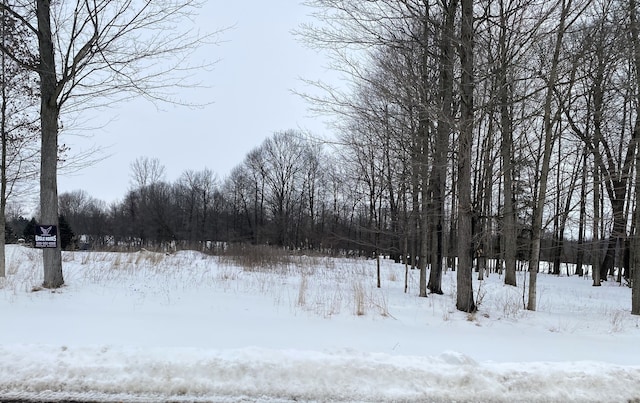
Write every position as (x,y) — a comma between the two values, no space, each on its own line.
(18,226)
(9,235)
(29,232)
(66,233)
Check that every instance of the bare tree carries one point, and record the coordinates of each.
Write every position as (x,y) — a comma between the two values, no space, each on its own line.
(147,180)
(103,50)
(603,120)
(283,166)
(196,189)
(86,215)
(18,123)
(550,119)
(445,121)
(509,51)
(614,165)
(146,171)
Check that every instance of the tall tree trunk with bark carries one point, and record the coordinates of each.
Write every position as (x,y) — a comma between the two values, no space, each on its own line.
(595,249)
(635,252)
(583,216)
(509,233)
(555,241)
(3,167)
(443,131)
(424,215)
(635,277)
(484,247)
(3,174)
(49,113)
(424,134)
(452,245)
(465,301)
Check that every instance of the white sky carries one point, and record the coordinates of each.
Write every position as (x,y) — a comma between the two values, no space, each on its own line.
(261,62)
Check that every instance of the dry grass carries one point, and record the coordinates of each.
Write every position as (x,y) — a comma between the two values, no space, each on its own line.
(86,258)
(257,258)
(325,285)
(359,299)
(270,259)
(322,285)
(302,290)
(24,271)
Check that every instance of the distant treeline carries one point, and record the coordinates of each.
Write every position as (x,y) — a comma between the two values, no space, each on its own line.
(287,193)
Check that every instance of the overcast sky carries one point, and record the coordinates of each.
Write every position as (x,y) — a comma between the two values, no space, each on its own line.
(260,63)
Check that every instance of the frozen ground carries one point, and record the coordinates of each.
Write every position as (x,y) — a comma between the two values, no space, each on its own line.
(145,327)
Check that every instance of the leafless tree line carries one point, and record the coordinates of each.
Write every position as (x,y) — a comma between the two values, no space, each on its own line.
(289,192)
(537,100)
(467,132)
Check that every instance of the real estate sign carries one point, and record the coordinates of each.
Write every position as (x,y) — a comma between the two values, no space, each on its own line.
(46,236)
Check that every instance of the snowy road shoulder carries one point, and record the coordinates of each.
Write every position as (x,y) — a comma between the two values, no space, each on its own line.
(110,373)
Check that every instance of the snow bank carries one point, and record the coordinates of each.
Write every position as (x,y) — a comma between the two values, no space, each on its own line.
(111,373)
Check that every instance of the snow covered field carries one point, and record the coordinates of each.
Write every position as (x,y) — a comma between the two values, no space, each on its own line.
(145,327)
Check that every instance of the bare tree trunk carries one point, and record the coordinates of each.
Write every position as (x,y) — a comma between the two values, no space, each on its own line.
(483,235)
(509,234)
(635,252)
(562,214)
(563,226)
(635,269)
(465,301)
(595,249)
(3,168)
(635,288)
(555,241)
(548,123)
(583,217)
(438,178)
(423,158)
(424,232)
(607,265)
(452,245)
(414,218)
(485,246)
(49,113)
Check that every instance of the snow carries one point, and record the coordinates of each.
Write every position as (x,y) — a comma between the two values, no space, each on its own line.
(186,327)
